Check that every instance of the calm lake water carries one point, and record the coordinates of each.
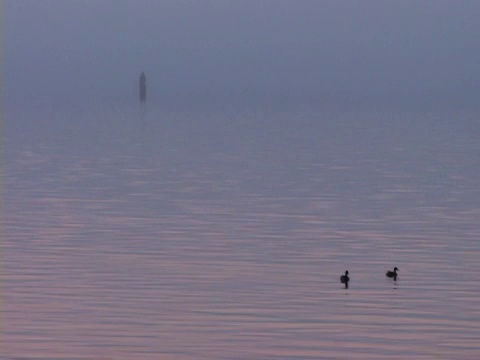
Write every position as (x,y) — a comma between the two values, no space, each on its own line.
(147,234)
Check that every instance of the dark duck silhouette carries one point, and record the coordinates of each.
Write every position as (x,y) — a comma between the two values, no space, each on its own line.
(344,279)
(392,274)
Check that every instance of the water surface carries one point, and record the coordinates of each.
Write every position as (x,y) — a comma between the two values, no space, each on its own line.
(145,234)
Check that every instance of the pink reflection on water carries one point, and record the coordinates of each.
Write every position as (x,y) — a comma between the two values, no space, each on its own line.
(185,266)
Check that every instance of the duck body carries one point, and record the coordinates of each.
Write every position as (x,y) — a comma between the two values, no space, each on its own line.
(392,274)
(344,279)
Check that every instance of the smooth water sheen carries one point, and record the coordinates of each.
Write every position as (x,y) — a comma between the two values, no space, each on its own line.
(156,235)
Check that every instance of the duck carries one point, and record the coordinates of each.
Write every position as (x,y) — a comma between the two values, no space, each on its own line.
(392,274)
(344,279)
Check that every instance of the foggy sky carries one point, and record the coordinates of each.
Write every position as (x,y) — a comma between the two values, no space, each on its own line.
(253,51)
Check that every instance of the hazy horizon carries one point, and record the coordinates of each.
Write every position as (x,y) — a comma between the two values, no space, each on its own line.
(269,53)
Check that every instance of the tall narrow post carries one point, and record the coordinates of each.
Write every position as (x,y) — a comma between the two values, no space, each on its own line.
(143,88)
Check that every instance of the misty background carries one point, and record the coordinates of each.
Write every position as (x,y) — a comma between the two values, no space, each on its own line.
(282,143)
(413,54)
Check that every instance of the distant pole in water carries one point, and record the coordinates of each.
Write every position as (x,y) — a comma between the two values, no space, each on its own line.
(143,88)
